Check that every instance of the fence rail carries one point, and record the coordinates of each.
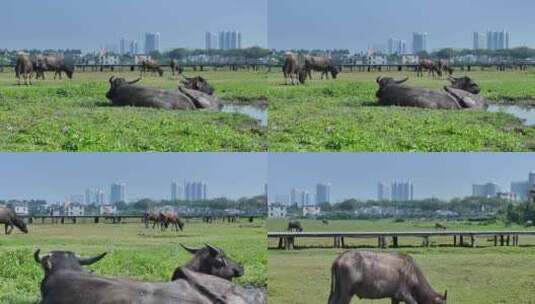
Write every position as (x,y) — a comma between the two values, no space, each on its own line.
(502,238)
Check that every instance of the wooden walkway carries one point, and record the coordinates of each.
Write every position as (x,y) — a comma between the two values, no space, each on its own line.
(286,240)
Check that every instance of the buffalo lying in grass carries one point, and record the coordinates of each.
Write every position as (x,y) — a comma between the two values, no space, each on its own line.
(198,84)
(66,281)
(460,95)
(126,93)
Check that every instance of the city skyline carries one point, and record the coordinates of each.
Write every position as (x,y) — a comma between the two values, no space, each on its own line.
(441,175)
(28,175)
(50,26)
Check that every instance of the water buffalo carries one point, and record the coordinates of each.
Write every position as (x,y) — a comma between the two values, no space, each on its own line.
(167,219)
(444,66)
(10,219)
(295,226)
(24,68)
(198,83)
(66,281)
(370,275)
(151,65)
(464,83)
(175,67)
(125,93)
(151,217)
(321,64)
(53,63)
(440,226)
(430,67)
(293,70)
(392,93)
(211,260)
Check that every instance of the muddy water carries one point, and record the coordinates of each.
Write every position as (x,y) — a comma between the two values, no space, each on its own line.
(527,114)
(258,113)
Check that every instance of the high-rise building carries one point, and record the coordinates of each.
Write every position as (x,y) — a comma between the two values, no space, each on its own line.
(479,41)
(210,41)
(152,42)
(397,46)
(497,40)
(487,190)
(134,47)
(176,191)
(384,192)
(419,42)
(229,40)
(521,189)
(118,193)
(94,196)
(323,193)
(195,191)
(123,46)
(402,191)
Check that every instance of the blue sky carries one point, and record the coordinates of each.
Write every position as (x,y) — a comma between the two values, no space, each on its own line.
(357,24)
(356,175)
(87,25)
(55,176)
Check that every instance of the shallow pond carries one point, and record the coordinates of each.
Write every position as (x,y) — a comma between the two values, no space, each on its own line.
(527,114)
(256,112)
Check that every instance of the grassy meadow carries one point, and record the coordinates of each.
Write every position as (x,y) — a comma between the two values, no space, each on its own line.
(481,275)
(133,252)
(342,115)
(74,115)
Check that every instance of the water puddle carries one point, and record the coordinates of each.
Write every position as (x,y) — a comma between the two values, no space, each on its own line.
(527,114)
(257,112)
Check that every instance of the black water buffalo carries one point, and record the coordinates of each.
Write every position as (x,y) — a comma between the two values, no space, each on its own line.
(198,83)
(295,226)
(211,260)
(151,65)
(370,275)
(125,93)
(444,66)
(392,93)
(430,67)
(175,67)
(10,219)
(66,281)
(172,219)
(53,63)
(24,68)
(464,83)
(293,70)
(320,64)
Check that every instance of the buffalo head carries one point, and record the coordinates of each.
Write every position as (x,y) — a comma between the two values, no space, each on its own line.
(387,81)
(465,83)
(63,260)
(116,83)
(69,71)
(213,260)
(19,223)
(441,299)
(198,84)
(334,71)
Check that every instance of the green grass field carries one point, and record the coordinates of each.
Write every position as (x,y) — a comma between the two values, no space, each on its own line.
(485,274)
(134,252)
(72,115)
(342,115)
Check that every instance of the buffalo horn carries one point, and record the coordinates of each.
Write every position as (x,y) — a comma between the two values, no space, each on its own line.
(92,260)
(190,249)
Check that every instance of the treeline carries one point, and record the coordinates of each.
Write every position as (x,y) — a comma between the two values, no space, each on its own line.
(519,214)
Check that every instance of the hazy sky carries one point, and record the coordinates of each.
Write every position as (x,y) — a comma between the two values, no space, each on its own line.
(87,25)
(354,24)
(434,175)
(56,176)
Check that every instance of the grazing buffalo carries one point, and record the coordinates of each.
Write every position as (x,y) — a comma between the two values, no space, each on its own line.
(151,65)
(175,67)
(10,219)
(440,226)
(24,68)
(295,226)
(430,67)
(151,217)
(53,63)
(293,70)
(444,66)
(392,93)
(325,222)
(320,64)
(370,275)
(167,219)
(211,260)
(198,84)
(125,93)
(66,281)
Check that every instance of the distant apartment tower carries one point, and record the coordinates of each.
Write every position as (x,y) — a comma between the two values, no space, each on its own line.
(94,196)
(384,192)
(487,190)
(479,41)
(176,192)
(152,42)
(397,47)
(323,193)
(123,46)
(521,189)
(118,193)
(229,40)
(402,191)
(210,41)
(133,48)
(300,197)
(195,191)
(419,42)
(498,40)
(531,179)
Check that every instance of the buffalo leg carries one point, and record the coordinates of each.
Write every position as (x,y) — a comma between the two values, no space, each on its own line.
(408,299)
(394,301)
(8,231)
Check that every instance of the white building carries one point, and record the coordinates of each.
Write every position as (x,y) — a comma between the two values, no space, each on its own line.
(107,210)
(109,59)
(510,196)
(410,59)
(73,209)
(277,211)
(311,211)
(21,210)
(376,59)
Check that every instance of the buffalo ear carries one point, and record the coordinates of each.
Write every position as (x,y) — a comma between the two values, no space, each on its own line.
(112,78)
(93,260)
(190,249)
